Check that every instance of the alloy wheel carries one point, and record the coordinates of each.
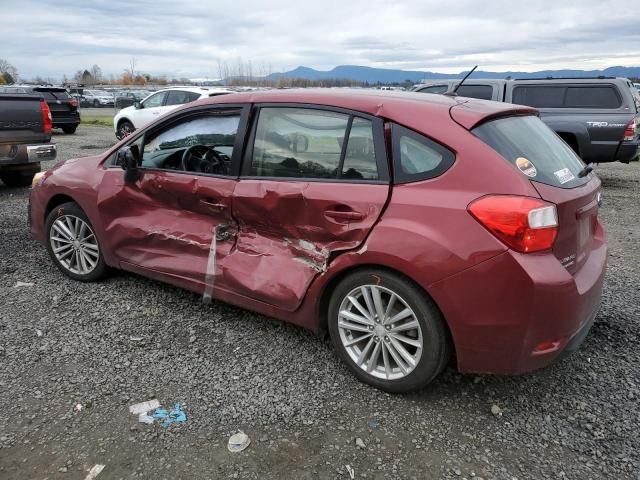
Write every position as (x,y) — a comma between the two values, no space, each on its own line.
(380,332)
(74,244)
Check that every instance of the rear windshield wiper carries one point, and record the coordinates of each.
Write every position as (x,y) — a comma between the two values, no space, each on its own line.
(585,171)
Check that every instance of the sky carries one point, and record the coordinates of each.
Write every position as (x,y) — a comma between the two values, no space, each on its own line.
(188,38)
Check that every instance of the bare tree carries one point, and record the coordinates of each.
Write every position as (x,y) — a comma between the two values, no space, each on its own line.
(132,67)
(8,71)
(96,73)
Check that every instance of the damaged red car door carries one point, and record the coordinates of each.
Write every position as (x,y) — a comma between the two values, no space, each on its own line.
(164,224)
(314,182)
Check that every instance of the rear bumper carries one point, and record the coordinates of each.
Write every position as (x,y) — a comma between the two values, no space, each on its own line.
(628,151)
(516,313)
(19,156)
(66,120)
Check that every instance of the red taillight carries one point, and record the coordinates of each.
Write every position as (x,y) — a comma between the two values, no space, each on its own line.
(47,121)
(524,224)
(73,102)
(629,131)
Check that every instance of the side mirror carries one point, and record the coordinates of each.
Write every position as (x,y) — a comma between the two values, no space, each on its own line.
(129,159)
(137,104)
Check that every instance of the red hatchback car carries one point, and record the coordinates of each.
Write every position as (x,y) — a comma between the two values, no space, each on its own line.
(412,227)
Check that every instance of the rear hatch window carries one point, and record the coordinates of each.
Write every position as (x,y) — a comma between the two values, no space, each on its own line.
(533,148)
(552,166)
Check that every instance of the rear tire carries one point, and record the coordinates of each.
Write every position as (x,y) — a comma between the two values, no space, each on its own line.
(17,179)
(73,245)
(70,129)
(395,356)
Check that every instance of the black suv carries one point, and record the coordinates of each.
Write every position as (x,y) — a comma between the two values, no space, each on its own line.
(63,107)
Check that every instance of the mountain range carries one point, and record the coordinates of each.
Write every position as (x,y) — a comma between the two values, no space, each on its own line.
(383,75)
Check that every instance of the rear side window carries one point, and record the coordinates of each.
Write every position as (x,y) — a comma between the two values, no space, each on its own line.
(539,96)
(416,157)
(533,148)
(360,156)
(592,97)
(434,89)
(311,143)
(176,97)
(483,92)
(567,96)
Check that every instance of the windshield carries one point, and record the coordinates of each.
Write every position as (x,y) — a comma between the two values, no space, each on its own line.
(535,149)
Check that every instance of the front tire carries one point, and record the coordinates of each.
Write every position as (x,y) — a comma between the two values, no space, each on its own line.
(72,243)
(125,128)
(17,179)
(388,332)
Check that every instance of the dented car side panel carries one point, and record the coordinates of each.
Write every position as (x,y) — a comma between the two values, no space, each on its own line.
(290,230)
(165,221)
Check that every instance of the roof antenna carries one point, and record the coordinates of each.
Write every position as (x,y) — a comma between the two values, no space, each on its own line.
(455,90)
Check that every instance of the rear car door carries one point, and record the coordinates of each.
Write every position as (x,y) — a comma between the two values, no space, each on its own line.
(314,182)
(165,223)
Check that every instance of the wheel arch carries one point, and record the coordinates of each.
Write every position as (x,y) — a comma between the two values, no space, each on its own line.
(55,201)
(325,296)
(124,119)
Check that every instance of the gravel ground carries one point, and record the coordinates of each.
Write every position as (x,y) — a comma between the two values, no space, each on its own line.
(125,340)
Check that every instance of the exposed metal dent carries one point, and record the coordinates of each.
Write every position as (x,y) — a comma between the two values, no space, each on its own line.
(320,268)
(179,238)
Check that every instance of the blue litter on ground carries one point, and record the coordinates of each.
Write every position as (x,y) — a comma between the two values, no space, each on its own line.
(176,415)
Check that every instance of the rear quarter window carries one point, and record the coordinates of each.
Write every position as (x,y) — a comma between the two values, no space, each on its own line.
(416,157)
(534,149)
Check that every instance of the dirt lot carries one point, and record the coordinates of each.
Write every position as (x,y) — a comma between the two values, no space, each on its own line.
(125,340)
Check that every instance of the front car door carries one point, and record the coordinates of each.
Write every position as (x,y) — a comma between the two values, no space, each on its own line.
(150,111)
(314,182)
(175,220)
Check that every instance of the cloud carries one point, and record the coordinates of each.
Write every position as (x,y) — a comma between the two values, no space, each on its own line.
(187,38)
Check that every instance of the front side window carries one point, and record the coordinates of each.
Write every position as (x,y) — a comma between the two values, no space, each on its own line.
(200,144)
(416,157)
(154,100)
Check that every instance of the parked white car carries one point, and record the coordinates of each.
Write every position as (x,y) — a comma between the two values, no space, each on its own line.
(157,104)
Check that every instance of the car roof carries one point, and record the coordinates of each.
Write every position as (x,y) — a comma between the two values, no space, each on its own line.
(414,110)
(468,81)
(201,90)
